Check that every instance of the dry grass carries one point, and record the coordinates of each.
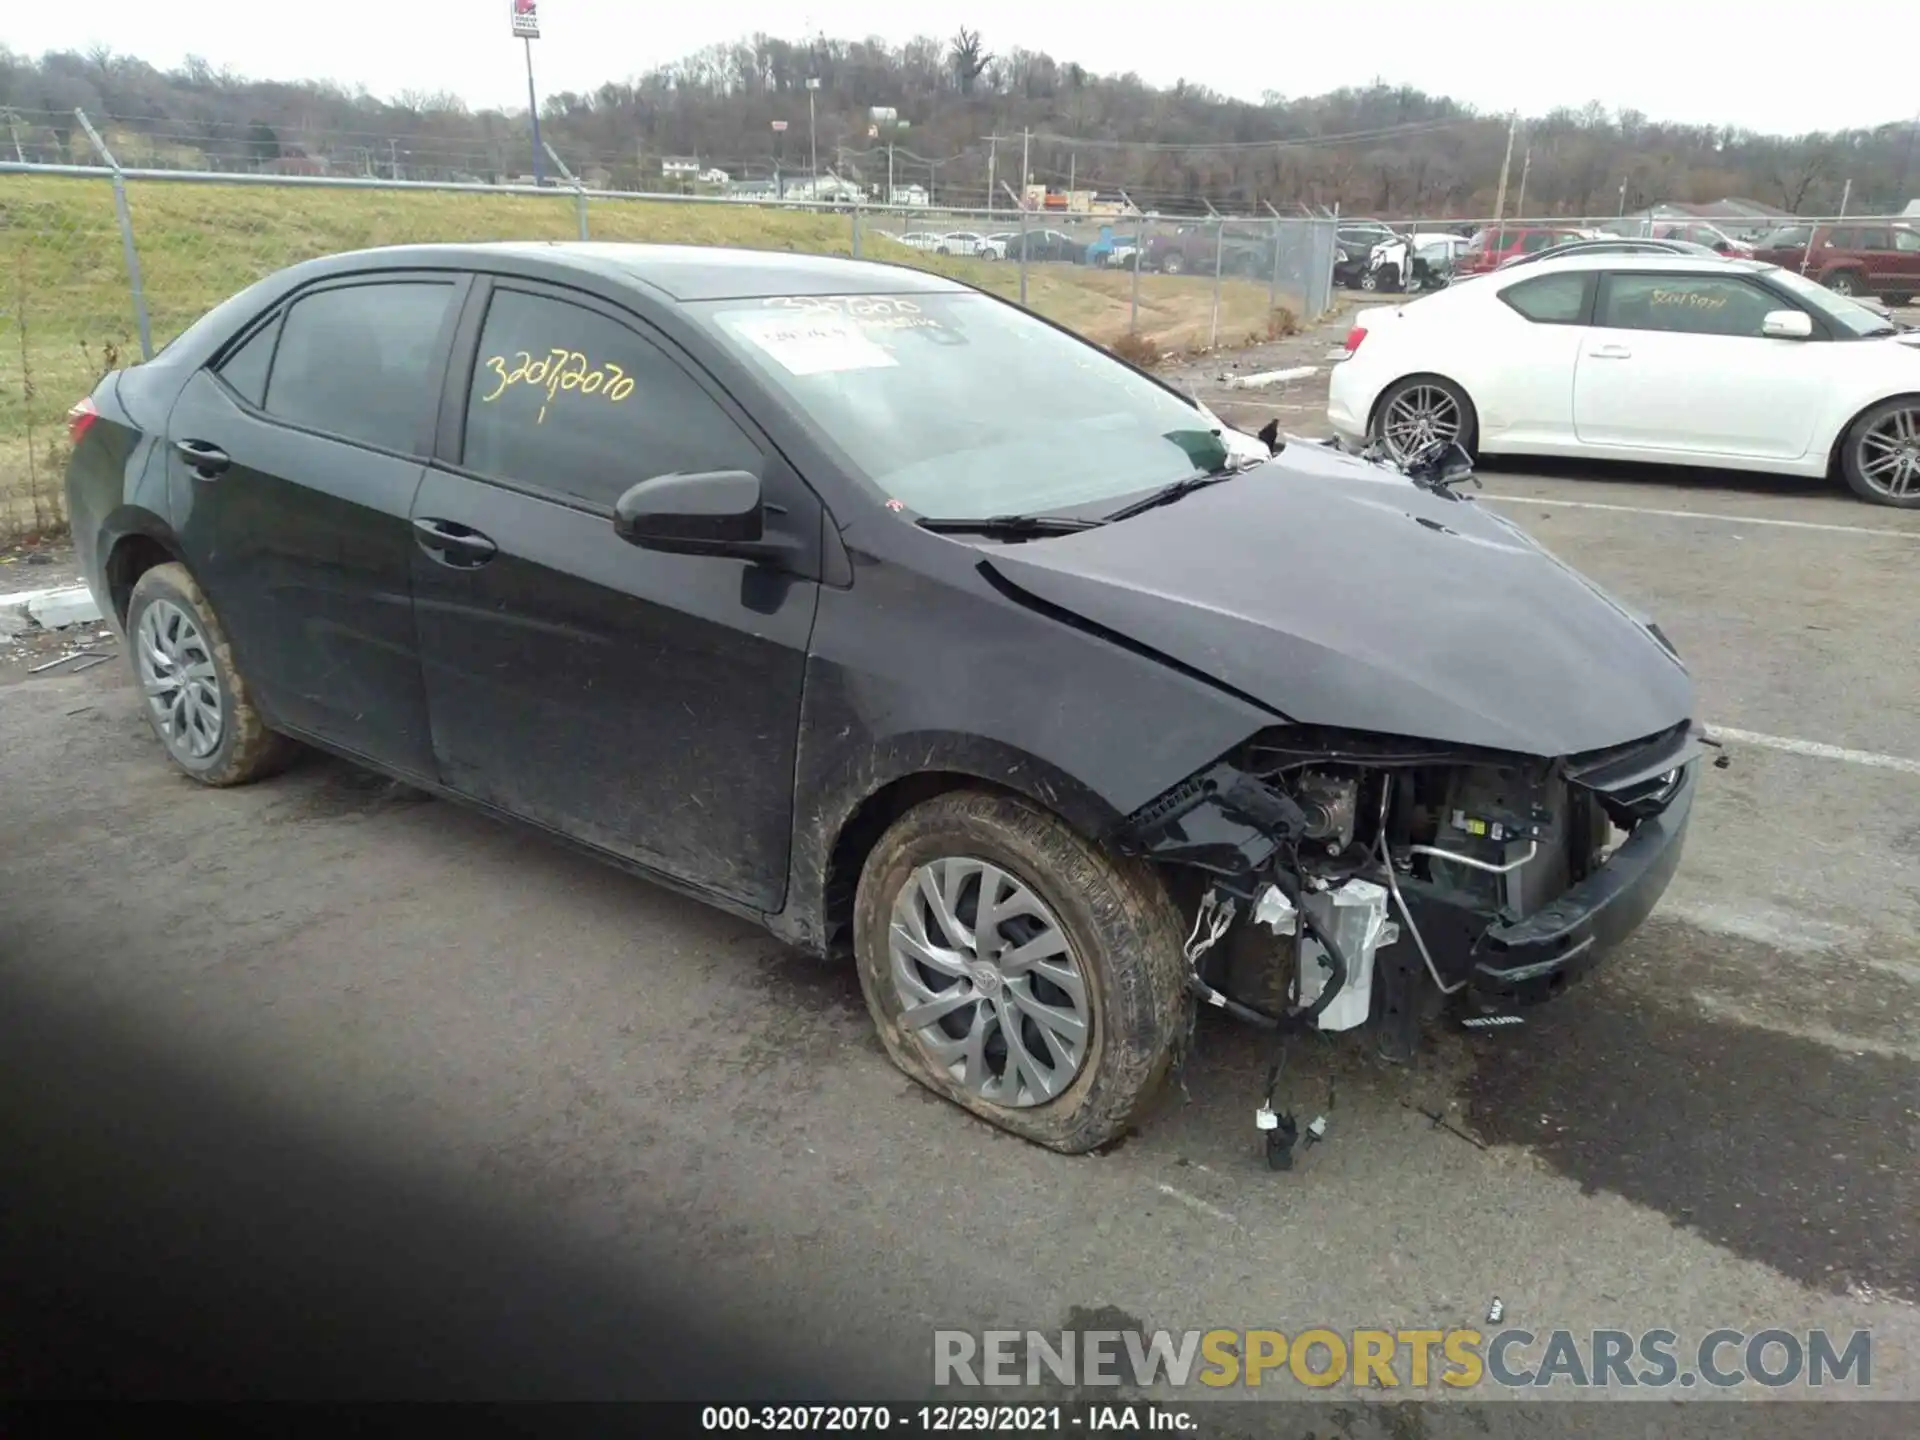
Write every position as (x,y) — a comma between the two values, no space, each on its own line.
(68,314)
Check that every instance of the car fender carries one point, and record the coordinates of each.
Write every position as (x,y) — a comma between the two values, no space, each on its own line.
(1087,725)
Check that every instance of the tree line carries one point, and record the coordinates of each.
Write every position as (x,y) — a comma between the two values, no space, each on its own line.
(963,116)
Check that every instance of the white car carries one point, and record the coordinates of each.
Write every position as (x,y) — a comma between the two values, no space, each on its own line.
(918,239)
(1649,358)
(959,242)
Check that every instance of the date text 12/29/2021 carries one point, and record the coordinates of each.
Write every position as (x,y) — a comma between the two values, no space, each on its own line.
(948,1419)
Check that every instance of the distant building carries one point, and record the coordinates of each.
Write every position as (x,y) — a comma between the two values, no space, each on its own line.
(1912,212)
(1742,219)
(680,167)
(909,195)
(714,175)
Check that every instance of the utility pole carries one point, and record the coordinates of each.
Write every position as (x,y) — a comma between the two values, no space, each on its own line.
(1500,199)
(813,143)
(13,128)
(1520,205)
(1026,174)
(1846,193)
(393,159)
(993,151)
(1070,185)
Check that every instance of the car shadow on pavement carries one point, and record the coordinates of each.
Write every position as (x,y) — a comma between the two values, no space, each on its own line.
(1663,478)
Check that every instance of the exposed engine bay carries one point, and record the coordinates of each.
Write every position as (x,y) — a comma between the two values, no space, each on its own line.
(1363,881)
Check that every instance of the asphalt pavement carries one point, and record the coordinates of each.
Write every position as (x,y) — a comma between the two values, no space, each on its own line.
(1718,1129)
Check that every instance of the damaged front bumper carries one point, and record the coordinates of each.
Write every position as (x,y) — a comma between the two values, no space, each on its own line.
(1498,867)
(1530,960)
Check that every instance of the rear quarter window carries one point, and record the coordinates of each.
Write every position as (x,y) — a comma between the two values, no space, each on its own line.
(1551,299)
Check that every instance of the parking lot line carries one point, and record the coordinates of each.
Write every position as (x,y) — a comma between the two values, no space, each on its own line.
(1703,515)
(1816,749)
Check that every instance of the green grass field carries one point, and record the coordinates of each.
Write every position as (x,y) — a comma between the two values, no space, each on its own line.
(69,317)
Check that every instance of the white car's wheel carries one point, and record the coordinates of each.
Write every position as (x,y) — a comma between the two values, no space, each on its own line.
(1420,412)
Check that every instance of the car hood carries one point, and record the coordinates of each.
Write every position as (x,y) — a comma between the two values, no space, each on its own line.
(1336,592)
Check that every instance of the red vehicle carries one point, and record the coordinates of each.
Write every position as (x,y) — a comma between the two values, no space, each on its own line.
(1492,246)
(1872,258)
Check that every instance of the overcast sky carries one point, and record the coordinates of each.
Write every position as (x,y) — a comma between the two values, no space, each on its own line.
(1707,63)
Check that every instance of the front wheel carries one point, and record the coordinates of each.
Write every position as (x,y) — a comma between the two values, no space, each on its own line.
(1844,282)
(196,700)
(1881,454)
(1173,265)
(1016,969)
(1418,413)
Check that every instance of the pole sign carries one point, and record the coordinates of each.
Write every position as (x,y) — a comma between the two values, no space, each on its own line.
(526,19)
(779,125)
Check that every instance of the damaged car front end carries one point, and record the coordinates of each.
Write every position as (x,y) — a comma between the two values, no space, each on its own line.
(1384,866)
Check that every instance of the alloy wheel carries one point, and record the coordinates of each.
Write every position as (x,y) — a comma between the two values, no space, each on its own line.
(1419,418)
(178,676)
(988,982)
(1888,455)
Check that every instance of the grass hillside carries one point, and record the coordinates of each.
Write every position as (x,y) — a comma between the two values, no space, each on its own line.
(67,316)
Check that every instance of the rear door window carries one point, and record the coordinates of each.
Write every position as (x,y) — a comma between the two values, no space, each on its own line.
(1876,239)
(356,361)
(570,400)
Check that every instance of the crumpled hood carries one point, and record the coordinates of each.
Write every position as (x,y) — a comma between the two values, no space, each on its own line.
(1338,593)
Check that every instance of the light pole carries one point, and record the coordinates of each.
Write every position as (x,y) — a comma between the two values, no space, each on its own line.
(813,143)
(526,27)
(779,155)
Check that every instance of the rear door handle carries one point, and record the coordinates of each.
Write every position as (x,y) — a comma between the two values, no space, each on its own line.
(207,460)
(453,544)
(1611,352)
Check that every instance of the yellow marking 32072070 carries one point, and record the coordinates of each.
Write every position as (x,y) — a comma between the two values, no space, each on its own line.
(558,370)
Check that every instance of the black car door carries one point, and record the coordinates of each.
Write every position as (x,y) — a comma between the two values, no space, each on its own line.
(294,460)
(645,703)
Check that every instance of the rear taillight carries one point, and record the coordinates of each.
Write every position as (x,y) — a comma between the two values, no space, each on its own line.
(80,419)
(1354,337)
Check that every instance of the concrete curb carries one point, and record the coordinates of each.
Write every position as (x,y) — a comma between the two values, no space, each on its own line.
(1271,377)
(53,609)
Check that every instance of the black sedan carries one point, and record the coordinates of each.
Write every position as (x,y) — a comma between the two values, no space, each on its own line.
(866,605)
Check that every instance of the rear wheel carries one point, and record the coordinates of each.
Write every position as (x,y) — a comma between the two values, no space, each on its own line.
(1420,412)
(196,699)
(1899,300)
(1174,264)
(1018,970)
(1881,454)
(1845,282)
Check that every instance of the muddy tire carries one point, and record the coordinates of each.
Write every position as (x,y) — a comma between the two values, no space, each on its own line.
(192,692)
(1106,923)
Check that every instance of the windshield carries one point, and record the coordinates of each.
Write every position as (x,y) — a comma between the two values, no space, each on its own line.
(960,406)
(1851,319)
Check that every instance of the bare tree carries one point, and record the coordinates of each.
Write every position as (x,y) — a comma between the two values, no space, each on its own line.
(969,58)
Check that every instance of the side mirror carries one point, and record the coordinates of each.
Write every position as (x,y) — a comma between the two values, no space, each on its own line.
(1787,325)
(715,512)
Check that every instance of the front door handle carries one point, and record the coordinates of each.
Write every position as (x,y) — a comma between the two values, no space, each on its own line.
(453,544)
(205,459)
(1611,352)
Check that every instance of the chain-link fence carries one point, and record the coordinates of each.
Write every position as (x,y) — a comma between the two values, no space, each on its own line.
(104,265)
